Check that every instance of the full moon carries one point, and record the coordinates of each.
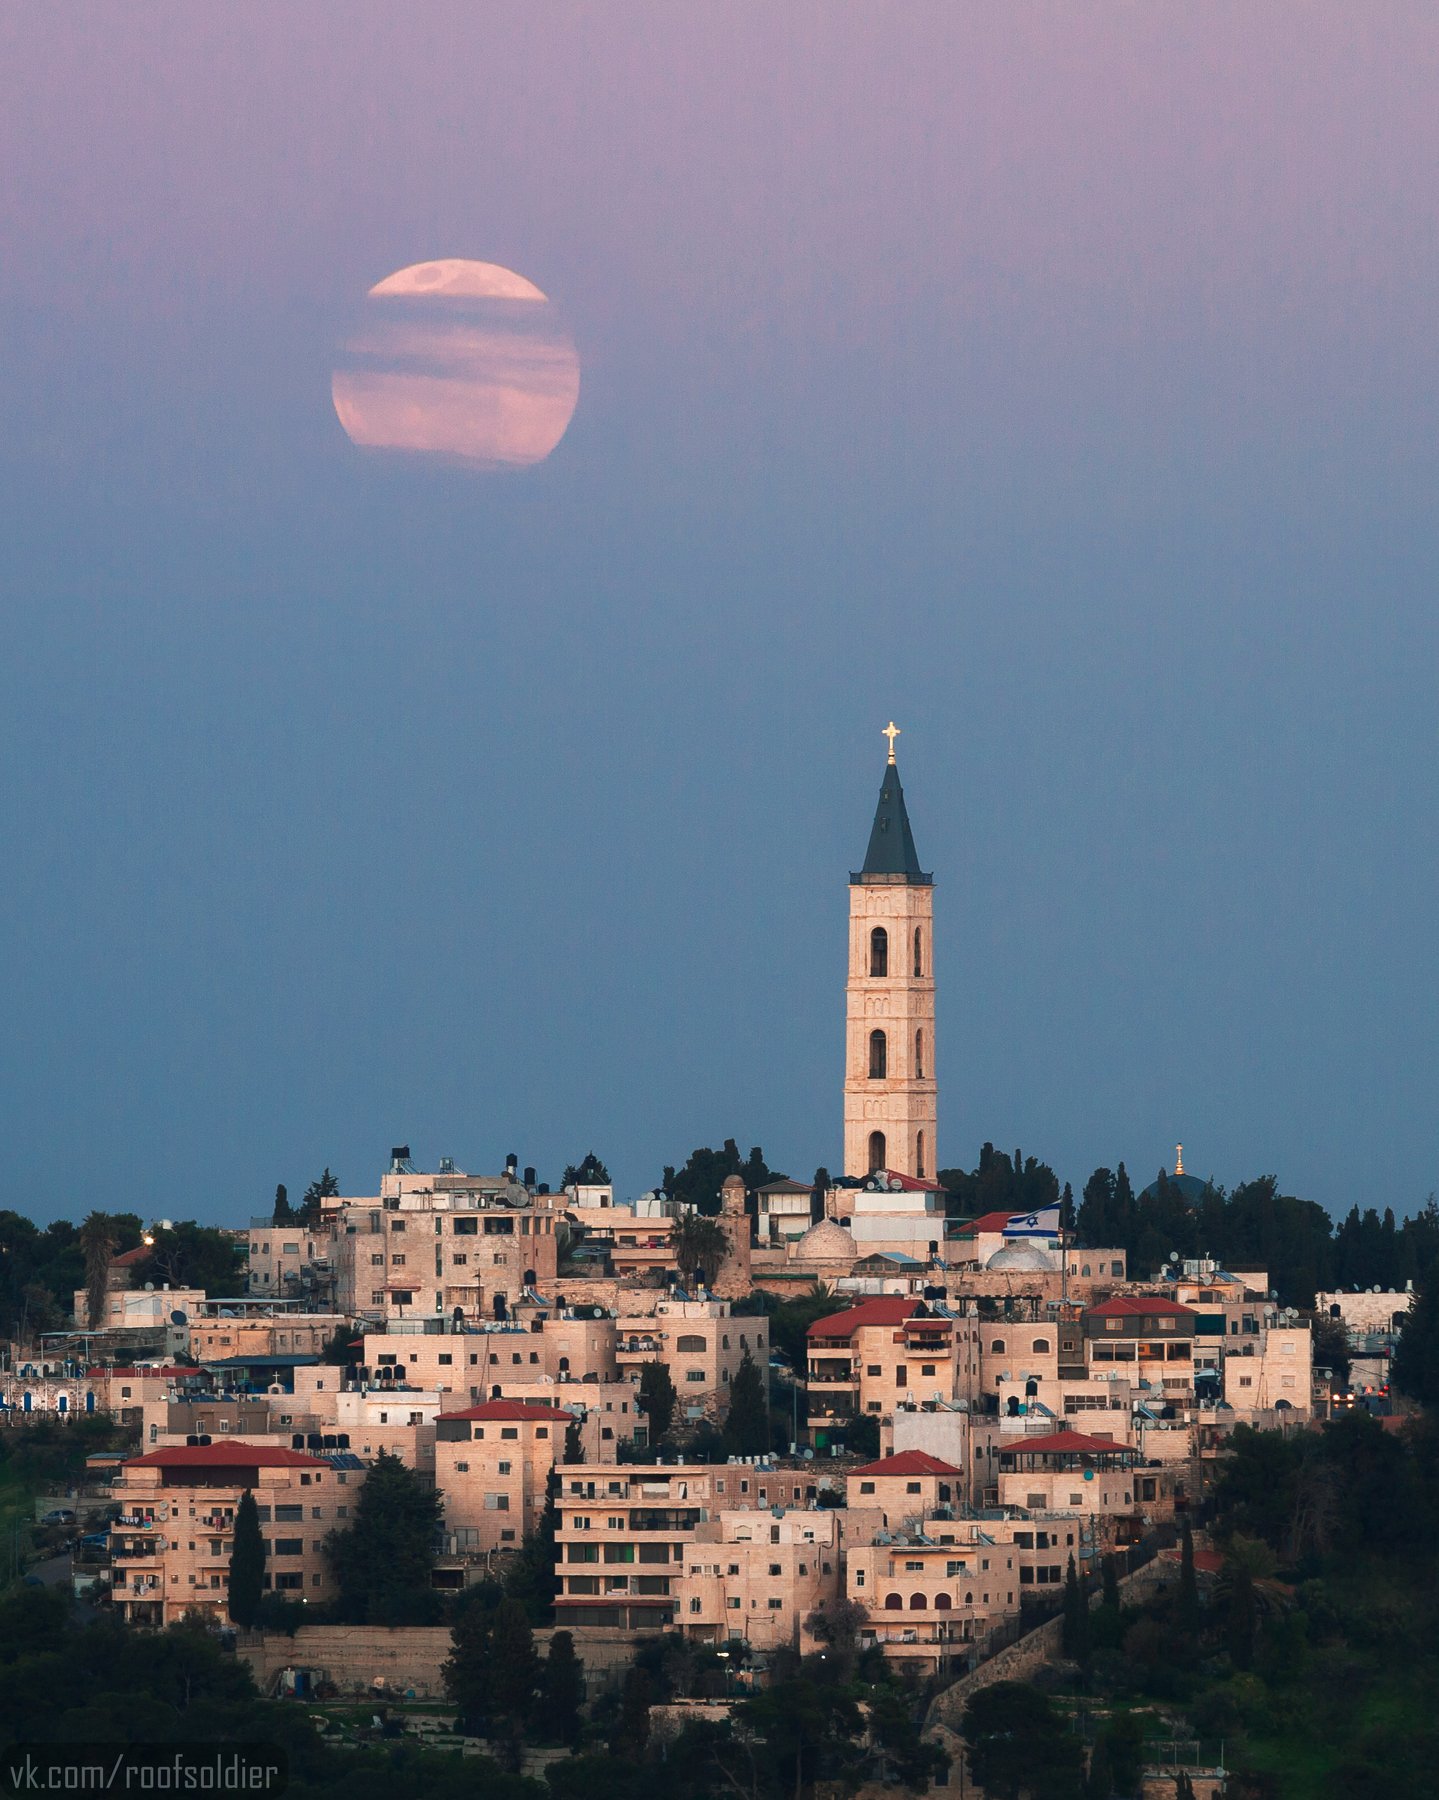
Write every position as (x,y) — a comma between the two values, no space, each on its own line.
(461,362)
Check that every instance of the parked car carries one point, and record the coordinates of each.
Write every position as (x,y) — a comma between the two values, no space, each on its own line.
(60,1515)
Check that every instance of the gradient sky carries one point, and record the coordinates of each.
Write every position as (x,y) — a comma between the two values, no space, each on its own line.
(1060,380)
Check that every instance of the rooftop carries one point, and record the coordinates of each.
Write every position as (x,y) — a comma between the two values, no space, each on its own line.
(908,1462)
(515,1411)
(888,1310)
(229,1455)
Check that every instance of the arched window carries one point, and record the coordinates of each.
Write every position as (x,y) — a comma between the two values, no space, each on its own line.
(918,966)
(1041,1346)
(879,951)
(1085,1269)
(690,1345)
(942,1603)
(919,1056)
(893,1603)
(878,1056)
(996,1347)
(876,1152)
(919,1154)
(917,1603)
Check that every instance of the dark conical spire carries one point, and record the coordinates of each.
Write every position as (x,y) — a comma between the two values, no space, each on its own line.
(892,857)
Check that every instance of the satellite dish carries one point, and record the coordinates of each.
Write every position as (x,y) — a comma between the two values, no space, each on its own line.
(179,1318)
(513,1194)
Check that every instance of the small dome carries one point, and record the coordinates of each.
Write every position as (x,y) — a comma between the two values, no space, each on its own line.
(1022,1259)
(826,1241)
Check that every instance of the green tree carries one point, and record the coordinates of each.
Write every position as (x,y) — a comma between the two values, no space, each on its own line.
(574,1451)
(1099,1783)
(1415,1368)
(98,1244)
(1017,1744)
(514,1665)
(1124,1740)
(343,1350)
(589,1171)
(530,1579)
(657,1399)
(861,1435)
(1241,1617)
(909,1759)
(191,1255)
(326,1188)
(632,1728)
(247,1563)
(699,1244)
(466,1673)
(746,1426)
(808,1732)
(382,1561)
(1075,1634)
(1186,1605)
(699,1181)
(562,1688)
(283,1213)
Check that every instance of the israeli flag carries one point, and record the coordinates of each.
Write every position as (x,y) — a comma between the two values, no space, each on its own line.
(1041,1224)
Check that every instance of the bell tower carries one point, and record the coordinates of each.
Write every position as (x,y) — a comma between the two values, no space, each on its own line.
(890,1099)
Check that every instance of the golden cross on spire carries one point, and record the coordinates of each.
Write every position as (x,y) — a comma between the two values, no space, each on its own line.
(891,731)
(1179,1159)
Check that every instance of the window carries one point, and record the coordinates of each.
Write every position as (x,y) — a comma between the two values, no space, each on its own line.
(1041,1346)
(398,1261)
(918,968)
(505,1468)
(919,1154)
(697,1374)
(775,1605)
(1114,1324)
(878,1057)
(926,1369)
(866,1487)
(690,1345)
(289,1546)
(996,1348)
(876,1148)
(919,1055)
(289,1515)
(444,1357)
(284,1582)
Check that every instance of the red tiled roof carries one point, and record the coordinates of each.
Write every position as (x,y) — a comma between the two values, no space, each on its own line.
(916,1184)
(1132,1305)
(908,1462)
(990,1221)
(1061,1443)
(131,1258)
(512,1410)
(892,1310)
(229,1455)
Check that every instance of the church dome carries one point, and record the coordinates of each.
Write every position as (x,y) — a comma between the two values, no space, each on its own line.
(1022,1259)
(826,1241)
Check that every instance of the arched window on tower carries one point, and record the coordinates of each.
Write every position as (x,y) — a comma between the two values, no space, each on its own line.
(876,1152)
(919,1154)
(879,951)
(878,1056)
(919,1055)
(918,966)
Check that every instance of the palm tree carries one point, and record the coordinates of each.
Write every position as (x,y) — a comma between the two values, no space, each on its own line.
(698,1243)
(98,1243)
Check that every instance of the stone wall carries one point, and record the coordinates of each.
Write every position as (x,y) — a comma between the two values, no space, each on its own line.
(406,1659)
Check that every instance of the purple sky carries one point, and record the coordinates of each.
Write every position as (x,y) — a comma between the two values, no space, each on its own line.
(1058,379)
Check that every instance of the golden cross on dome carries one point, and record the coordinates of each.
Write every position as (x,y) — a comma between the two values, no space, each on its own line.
(891,731)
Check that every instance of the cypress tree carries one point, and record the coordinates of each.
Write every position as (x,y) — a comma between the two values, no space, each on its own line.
(1109,1577)
(746,1426)
(1187,1606)
(657,1398)
(247,1563)
(562,1688)
(1075,1635)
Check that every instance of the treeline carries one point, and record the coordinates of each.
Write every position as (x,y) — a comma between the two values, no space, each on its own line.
(42,1267)
(1254,1227)
(1257,1227)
